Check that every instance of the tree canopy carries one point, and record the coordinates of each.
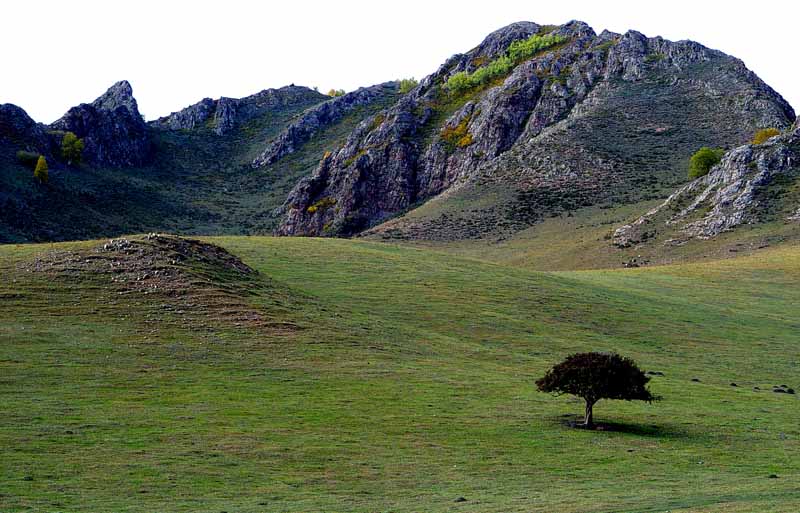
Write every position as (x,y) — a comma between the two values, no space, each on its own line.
(703,160)
(41,172)
(595,376)
(72,149)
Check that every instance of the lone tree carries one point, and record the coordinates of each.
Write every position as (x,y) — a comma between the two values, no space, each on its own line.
(41,171)
(595,376)
(72,149)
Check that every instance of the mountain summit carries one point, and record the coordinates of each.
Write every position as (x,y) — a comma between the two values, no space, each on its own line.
(580,119)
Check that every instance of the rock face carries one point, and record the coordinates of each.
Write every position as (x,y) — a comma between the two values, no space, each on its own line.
(317,118)
(225,114)
(568,127)
(748,185)
(21,132)
(114,133)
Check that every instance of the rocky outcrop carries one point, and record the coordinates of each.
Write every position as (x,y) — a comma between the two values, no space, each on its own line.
(194,116)
(741,189)
(114,133)
(225,114)
(21,132)
(317,118)
(574,121)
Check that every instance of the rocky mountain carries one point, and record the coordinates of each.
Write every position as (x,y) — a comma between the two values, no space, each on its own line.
(191,171)
(588,119)
(752,184)
(114,133)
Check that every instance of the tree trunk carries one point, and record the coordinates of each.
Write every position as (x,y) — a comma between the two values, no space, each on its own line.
(587,419)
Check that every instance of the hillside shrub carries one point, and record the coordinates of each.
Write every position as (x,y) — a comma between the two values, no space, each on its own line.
(72,149)
(28,159)
(703,160)
(407,84)
(321,205)
(336,93)
(517,52)
(457,136)
(41,171)
(764,134)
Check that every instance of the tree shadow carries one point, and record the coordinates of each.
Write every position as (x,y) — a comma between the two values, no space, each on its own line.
(662,431)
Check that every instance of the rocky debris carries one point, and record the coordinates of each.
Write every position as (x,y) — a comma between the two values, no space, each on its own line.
(225,114)
(782,389)
(200,282)
(734,192)
(570,127)
(114,133)
(635,262)
(318,118)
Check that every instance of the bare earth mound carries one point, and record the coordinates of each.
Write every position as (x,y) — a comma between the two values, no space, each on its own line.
(200,285)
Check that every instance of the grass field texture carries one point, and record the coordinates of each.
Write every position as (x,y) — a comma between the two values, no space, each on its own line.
(405,384)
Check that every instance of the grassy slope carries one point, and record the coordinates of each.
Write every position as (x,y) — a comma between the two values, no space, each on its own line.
(581,239)
(410,386)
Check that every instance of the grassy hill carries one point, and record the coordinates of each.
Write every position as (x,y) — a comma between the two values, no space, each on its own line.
(385,378)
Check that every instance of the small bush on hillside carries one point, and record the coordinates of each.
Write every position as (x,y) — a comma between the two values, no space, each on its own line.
(28,159)
(703,160)
(321,205)
(41,172)
(764,134)
(457,136)
(72,149)
(459,82)
(596,376)
(517,52)
(336,92)
(407,84)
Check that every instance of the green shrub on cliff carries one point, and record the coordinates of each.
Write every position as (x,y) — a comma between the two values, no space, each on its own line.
(703,160)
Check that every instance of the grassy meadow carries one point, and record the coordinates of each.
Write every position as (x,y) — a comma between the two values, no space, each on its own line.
(404,385)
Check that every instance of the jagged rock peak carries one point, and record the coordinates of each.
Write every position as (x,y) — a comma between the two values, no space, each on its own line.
(114,132)
(118,95)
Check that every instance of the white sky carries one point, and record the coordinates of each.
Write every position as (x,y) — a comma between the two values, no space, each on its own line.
(58,53)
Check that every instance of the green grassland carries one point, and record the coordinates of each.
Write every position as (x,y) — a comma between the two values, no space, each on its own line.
(582,239)
(404,384)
